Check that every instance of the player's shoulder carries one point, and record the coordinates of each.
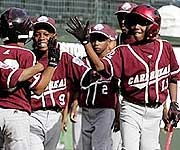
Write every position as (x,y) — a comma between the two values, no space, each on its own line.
(164,41)
(18,50)
(120,47)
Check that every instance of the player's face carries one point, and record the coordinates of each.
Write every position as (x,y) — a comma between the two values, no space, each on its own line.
(138,26)
(138,31)
(41,38)
(100,44)
(121,20)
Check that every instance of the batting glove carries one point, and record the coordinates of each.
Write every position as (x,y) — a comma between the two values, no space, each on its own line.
(53,52)
(174,113)
(80,31)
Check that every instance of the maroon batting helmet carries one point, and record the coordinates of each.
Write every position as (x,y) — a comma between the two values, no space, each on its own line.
(16,25)
(145,15)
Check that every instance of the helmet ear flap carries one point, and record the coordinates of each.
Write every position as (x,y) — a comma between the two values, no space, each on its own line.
(152,31)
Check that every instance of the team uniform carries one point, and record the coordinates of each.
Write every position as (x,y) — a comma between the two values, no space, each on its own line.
(46,116)
(123,38)
(15,107)
(98,102)
(15,29)
(144,89)
(147,69)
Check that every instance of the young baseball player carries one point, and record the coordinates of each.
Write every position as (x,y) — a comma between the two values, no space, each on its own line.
(122,11)
(123,38)
(147,69)
(17,68)
(99,100)
(46,116)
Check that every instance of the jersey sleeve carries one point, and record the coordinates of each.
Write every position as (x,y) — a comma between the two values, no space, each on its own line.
(9,76)
(113,64)
(11,69)
(75,67)
(174,66)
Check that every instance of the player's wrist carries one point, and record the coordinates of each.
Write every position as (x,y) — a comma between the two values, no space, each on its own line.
(52,64)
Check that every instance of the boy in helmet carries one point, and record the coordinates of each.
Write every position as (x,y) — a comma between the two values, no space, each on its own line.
(147,69)
(124,37)
(121,13)
(18,66)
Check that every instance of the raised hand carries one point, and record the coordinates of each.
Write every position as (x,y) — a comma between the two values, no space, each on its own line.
(77,29)
(53,52)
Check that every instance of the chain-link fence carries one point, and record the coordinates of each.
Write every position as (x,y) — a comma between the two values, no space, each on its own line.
(96,11)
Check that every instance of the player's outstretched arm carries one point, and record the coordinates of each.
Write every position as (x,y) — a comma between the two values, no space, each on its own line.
(81,32)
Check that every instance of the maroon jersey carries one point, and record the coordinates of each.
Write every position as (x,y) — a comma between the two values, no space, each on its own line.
(69,69)
(100,94)
(144,70)
(12,60)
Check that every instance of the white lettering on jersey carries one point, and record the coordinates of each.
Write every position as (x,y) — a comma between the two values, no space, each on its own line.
(139,81)
(57,84)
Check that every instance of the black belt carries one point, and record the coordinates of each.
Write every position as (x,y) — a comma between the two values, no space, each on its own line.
(55,108)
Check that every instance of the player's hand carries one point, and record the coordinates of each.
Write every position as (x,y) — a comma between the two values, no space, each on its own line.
(64,125)
(165,118)
(64,120)
(80,31)
(73,116)
(53,52)
(174,113)
(116,123)
(73,113)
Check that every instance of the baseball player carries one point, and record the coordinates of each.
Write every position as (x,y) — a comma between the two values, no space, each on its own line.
(148,70)
(123,38)
(46,115)
(124,9)
(99,100)
(18,76)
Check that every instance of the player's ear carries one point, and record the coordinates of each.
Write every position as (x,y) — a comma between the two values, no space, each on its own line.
(54,35)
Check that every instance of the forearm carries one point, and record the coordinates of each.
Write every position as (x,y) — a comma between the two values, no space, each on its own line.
(94,58)
(173,91)
(30,72)
(45,79)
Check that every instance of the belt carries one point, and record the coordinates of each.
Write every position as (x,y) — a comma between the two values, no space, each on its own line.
(153,105)
(55,108)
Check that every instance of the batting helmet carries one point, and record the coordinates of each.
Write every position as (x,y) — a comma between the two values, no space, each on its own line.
(145,15)
(15,25)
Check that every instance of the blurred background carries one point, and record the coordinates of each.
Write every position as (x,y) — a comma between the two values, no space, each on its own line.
(100,11)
